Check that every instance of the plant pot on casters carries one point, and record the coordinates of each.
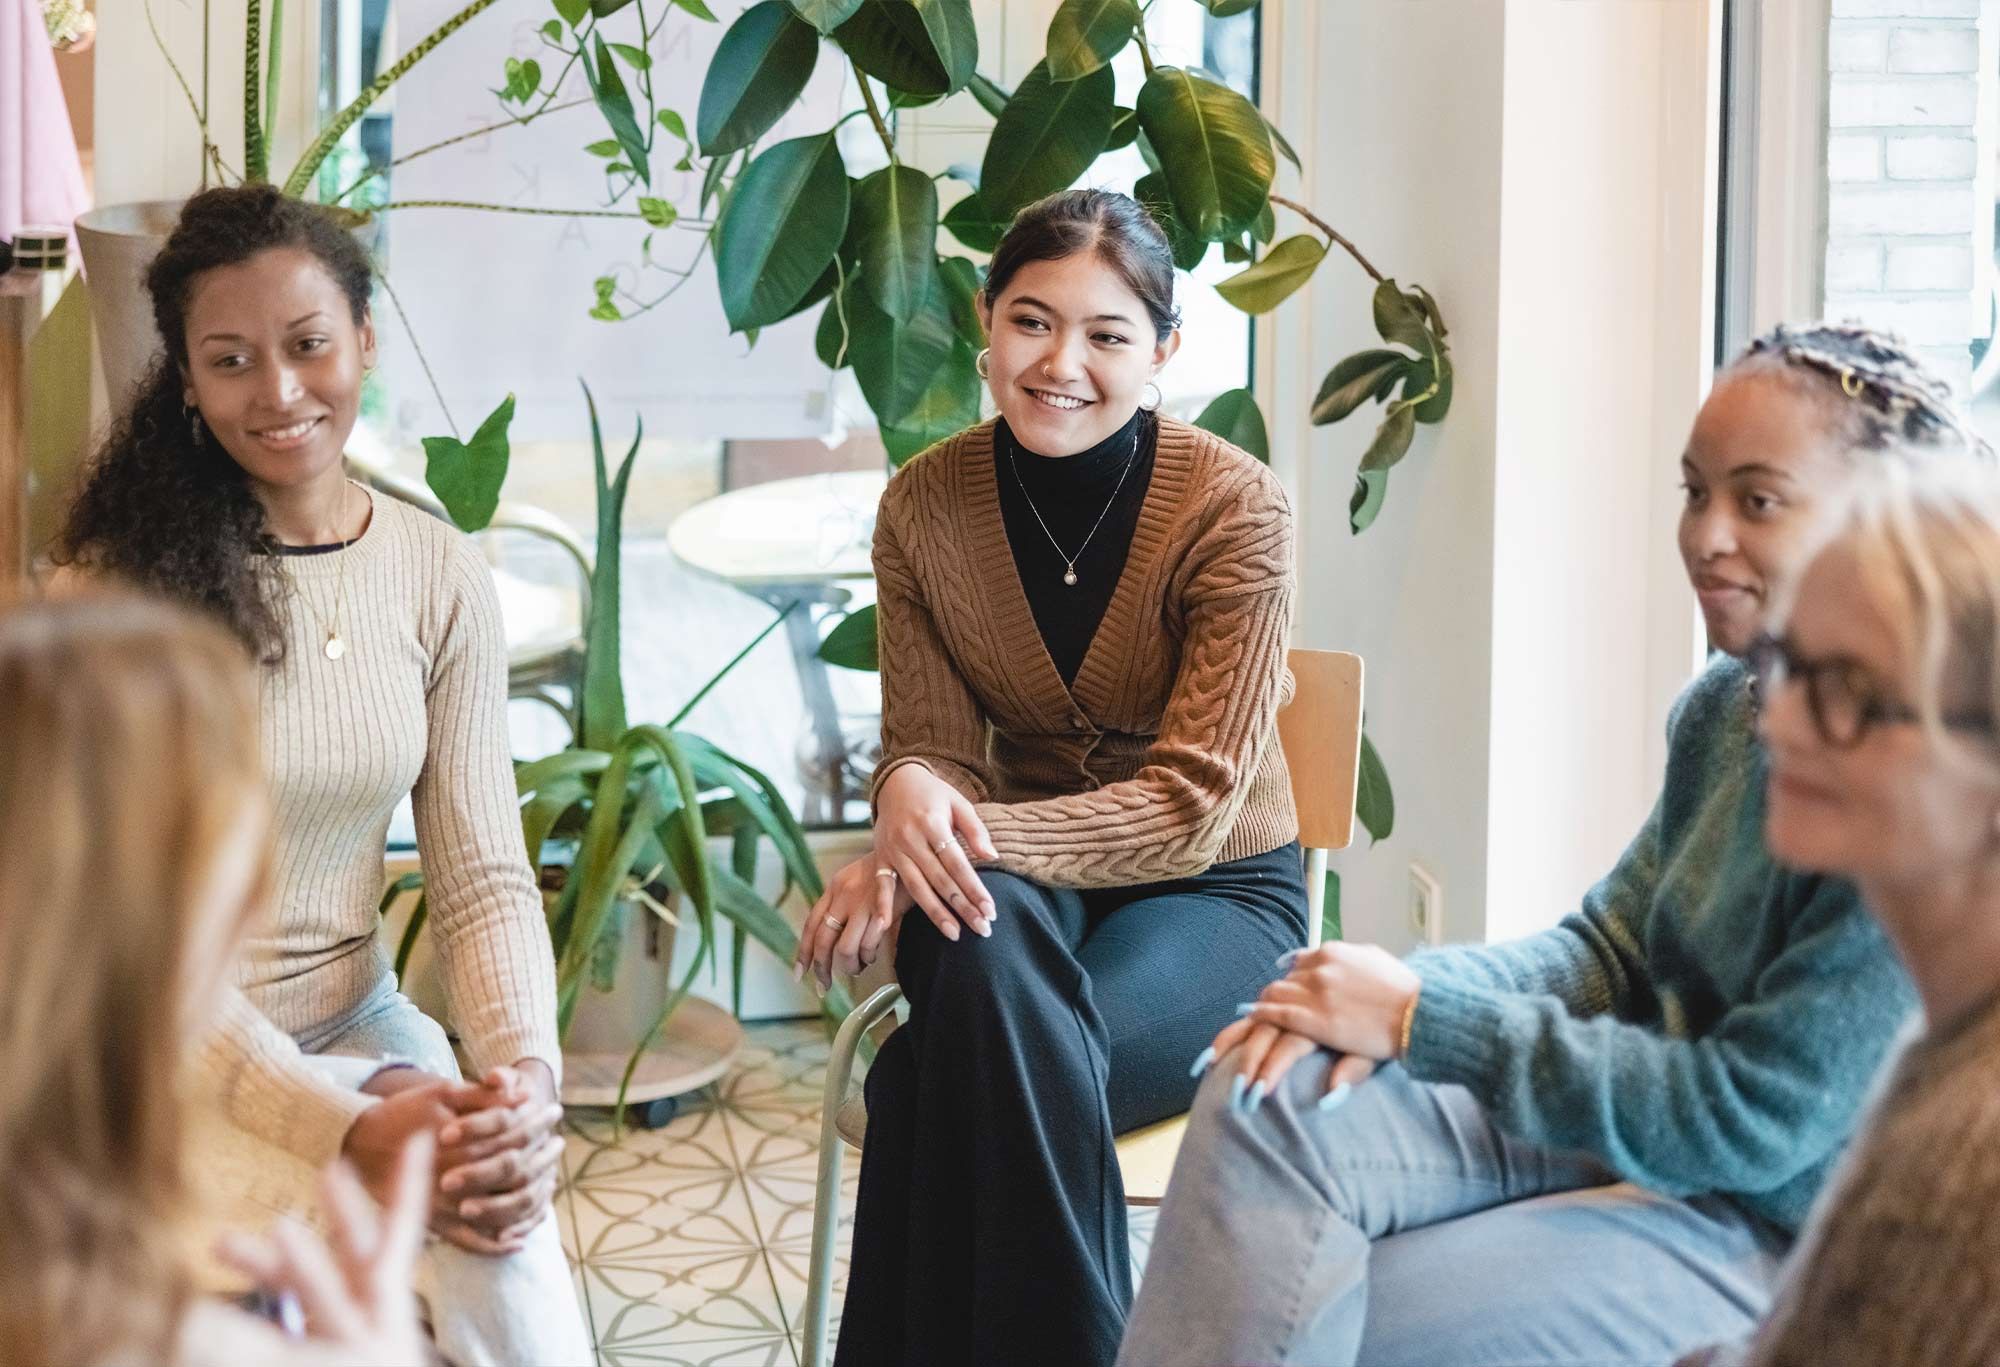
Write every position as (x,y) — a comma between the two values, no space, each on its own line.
(613,1012)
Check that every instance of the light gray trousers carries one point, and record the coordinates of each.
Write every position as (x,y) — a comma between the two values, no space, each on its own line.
(514,1311)
(1405,1229)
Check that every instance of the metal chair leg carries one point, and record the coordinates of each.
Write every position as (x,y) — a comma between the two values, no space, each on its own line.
(826,1196)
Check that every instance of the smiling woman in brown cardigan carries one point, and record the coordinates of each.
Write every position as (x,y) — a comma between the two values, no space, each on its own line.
(1084,611)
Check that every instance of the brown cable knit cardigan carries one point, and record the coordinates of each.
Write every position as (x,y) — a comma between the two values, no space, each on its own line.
(1162,758)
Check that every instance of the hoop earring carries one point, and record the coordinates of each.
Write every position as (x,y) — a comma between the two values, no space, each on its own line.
(1850,383)
(1158,398)
(982,365)
(196,433)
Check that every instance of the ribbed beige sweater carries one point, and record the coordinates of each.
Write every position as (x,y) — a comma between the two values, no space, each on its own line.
(1162,758)
(1900,1263)
(417,706)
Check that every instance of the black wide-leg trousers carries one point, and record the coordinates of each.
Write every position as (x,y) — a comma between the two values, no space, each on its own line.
(990,1226)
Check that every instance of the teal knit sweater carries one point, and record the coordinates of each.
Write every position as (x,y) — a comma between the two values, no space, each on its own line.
(1708,1021)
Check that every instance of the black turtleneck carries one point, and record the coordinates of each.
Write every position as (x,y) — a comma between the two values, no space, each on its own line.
(1069,492)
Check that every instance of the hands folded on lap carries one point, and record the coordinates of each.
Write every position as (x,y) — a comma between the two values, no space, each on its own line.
(498,1150)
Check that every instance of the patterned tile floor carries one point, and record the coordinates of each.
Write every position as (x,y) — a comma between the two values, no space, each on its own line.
(689,1243)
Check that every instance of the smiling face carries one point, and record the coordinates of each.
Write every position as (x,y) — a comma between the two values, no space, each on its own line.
(275,363)
(1904,804)
(1072,349)
(1761,466)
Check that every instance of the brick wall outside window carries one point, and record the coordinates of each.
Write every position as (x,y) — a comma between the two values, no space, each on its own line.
(1910,151)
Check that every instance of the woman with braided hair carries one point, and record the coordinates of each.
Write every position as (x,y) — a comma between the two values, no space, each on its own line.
(1597,1143)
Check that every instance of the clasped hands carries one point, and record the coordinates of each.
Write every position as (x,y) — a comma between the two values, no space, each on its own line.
(1348,998)
(498,1150)
(926,837)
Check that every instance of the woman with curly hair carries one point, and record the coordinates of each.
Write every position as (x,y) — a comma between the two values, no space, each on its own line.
(384,675)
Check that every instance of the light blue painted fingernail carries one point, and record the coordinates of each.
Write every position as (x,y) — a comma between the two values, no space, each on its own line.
(1336,1098)
(1289,957)
(1201,1061)
(1245,1008)
(1237,1085)
(1257,1094)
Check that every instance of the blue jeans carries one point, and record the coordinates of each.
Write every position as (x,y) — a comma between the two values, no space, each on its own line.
(516,1309)
(1405,1229)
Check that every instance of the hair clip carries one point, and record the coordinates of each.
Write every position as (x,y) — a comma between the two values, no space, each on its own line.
(1851,384)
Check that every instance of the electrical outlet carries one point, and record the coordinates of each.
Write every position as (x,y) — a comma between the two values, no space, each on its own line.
(1426,905)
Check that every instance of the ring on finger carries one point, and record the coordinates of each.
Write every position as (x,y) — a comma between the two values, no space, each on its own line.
(889,874)
(943,845)
(833,922)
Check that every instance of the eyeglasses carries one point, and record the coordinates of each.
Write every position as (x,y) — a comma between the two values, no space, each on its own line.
(1844,700)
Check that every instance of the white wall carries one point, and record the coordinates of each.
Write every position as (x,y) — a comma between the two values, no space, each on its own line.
(1541,165)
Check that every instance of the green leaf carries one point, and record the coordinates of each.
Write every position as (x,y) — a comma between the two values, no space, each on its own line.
(1124,128)
(828,281)
(466,476)
(601,713)
(1285,148)
(1222,9)
(1271,281)
(1188,248)
(1085,34)
(961,281)
(991,97)
(1369,487)
(1430,308)
(851,645)
(673,123)
(826,15)
(1392,439)
(1434,408)
(1238,251)
(1400,319)
(925,47)
(1352,383)
(1266,226)
(635,57)
(604,147)
(609,90)
(1045,138)
(1374,801)
(697,9)
(834,340)
(969,222)
(948,407)
(604,9)
(572,11)
(711,180)
(895,362)
(1214,149)
(1234,416)
(761,65)
(657,212)
(895,223)
(552,31)
(781,225)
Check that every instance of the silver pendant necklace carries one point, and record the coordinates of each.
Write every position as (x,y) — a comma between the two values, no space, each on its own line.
(1069,561)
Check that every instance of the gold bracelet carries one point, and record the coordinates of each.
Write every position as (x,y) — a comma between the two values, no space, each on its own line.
(1409,1019)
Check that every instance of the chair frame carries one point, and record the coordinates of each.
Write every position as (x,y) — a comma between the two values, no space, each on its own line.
(1320,735)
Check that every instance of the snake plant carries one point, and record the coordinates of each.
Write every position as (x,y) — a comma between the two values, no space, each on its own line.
(629,812)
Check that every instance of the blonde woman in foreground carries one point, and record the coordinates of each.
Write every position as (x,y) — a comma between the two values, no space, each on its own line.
(1880,695)
(132,799)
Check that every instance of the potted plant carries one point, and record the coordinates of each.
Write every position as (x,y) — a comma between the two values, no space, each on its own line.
(625,822)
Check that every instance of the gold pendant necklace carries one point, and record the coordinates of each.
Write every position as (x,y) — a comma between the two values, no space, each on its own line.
(335,645)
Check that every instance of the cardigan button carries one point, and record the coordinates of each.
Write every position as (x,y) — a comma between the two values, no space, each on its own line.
(1077,720)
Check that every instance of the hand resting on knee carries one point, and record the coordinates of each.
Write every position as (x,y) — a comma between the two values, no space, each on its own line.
(1355,1000)
(924,829)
